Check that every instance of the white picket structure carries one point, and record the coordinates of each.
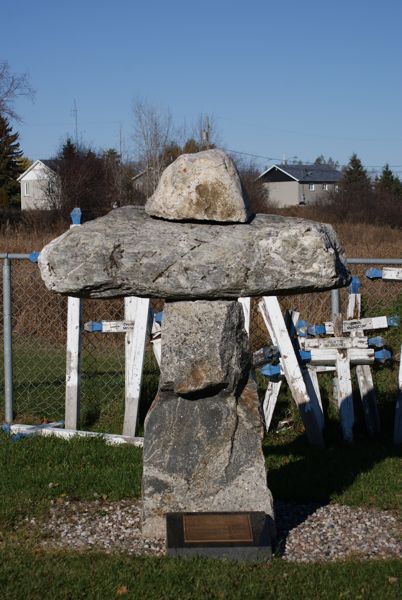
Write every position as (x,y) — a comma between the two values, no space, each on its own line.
(136,310)
(308,408)
(73,363)
(73,352)
(391,274)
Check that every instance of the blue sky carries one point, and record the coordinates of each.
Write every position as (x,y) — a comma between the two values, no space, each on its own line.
(280,78)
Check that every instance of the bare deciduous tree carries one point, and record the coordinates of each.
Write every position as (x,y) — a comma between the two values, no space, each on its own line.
(11,87)
(205,132)
(153,131)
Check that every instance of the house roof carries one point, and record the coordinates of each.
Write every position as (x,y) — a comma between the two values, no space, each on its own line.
(49,164)
(305,173)
(52,164)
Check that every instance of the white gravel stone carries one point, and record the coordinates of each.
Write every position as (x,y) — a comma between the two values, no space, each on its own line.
(306,532)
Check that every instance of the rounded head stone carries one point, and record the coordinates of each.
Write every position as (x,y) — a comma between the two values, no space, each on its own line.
(204,186)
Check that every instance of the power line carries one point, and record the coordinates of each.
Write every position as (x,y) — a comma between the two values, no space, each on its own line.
(74,113)
(254,155)
(305,162)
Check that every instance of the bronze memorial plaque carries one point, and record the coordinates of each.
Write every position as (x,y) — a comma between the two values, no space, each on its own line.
(205,528)
(243,536)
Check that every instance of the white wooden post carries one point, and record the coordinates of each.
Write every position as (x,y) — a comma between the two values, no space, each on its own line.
(313,387)
(393,274)
(272,313)
(344,383)
(363,372)
(273,387)
(270,399)
(369,399)
(137,310)
(156,342)
(345,395)
(73,359)
(246,306)
(73,364)
(309,375)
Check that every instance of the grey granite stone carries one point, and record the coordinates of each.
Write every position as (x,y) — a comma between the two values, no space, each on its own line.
(129,253)
(204,186)
(203,455)
(205,347)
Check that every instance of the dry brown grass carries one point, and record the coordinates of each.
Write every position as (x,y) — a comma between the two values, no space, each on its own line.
(370,241)
(358,239)
(25,240)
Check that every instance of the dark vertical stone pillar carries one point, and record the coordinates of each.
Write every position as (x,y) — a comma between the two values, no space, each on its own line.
(202,442)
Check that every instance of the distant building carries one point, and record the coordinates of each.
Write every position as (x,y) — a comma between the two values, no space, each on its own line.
(289,185)
(39,186)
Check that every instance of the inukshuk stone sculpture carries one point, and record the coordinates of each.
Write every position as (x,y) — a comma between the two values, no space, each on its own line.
(197,246)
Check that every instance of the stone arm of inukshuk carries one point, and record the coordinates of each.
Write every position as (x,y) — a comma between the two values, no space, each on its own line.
(197,246)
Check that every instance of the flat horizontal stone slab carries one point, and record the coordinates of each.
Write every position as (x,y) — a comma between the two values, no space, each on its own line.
(129,253)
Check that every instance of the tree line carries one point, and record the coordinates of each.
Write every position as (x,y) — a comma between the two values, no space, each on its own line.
(100,180)
(360,198)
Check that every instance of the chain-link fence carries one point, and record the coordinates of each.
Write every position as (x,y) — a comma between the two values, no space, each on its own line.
(39,354)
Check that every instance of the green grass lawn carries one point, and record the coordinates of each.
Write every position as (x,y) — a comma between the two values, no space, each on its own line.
(365,474)
(36,471)
(39,369)
(32,575)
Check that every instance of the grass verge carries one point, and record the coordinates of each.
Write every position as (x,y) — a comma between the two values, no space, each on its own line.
(61,575)
(38,470)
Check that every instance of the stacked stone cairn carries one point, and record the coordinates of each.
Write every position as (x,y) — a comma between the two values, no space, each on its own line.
(198,246)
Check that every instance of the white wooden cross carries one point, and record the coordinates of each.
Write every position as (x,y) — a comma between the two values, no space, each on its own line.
(344,352)
(363,372)
(393,274)
(309,408)
(136,327)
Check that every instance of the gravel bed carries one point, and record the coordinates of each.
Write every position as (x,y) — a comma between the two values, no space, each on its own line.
(310,532)
(100,525)
(306,532)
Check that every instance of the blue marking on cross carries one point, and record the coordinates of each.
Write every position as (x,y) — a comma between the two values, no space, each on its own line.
(377,341)
(374,273)
(94,326)
(305,355)
(76,215)
(158,317)
(382,355)
(302,328)
(271,370)
(354,286)
(316,330)
(33,257)
(394,321)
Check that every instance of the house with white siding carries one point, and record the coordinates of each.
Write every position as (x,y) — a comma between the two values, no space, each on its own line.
(38,185)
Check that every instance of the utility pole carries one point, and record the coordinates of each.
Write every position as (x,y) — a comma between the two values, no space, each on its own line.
(206,132)
(74,113)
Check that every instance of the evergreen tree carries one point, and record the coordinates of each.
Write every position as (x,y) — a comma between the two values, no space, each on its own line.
(10,157)
(69,151)
(389,183)
(321,160)
(354,176)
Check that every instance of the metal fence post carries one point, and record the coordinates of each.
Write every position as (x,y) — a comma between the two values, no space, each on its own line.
(335,303)
(8,353)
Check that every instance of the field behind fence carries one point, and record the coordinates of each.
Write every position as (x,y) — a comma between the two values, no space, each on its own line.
(39,336)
